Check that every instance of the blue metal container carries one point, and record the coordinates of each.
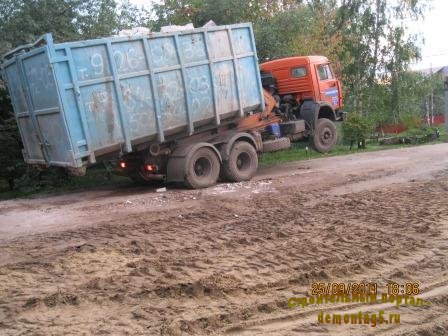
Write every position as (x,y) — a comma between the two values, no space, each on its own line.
(274,129)
(79,100)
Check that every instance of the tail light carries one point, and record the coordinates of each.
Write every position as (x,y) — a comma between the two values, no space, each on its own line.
(150,168)
(123,164)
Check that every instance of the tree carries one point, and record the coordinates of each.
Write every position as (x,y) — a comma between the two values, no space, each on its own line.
(98,18)
(24,21)
(376,49)
(401,52)
(11,160)
(198,12)
(283,34)
(356,129)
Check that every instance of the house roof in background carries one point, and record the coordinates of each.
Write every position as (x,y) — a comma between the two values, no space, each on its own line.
(434,70)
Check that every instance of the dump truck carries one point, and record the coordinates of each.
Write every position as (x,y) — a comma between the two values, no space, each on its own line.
(189,106)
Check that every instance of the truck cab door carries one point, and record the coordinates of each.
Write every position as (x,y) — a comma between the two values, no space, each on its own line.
(328,85)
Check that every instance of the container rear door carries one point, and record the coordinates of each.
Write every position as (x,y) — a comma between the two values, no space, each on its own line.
(30,139)
(38,111)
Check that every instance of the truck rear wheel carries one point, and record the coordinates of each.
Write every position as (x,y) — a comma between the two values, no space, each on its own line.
(325,135)
(242,162)
(202,169)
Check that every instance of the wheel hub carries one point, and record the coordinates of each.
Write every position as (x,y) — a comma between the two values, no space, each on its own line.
(326,135)
(243,161)
(202,167)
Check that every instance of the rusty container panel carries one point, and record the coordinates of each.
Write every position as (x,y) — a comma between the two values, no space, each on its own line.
(78,100)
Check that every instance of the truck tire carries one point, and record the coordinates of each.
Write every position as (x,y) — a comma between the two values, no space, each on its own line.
(276,145)
(202,169)
(241,164)
(325,135)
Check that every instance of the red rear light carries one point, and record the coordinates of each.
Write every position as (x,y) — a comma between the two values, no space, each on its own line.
(150,168)
(123,164)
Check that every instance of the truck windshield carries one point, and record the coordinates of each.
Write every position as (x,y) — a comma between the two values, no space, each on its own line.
(324,72)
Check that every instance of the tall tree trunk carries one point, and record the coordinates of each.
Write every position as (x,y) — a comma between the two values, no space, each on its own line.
(374,67)
(395,97)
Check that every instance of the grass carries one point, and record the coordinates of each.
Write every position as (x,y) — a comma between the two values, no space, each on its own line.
(298,151)
(97,176)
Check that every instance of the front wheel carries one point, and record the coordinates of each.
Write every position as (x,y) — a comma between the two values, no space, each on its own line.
(242,162)
(325,135)
(202,169)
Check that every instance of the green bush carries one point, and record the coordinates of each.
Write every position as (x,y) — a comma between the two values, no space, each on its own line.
(411,121)
(356,128)
(11,161)
(419,132)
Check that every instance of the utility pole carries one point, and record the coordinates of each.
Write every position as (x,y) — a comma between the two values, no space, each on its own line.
(431,120)
(446,104)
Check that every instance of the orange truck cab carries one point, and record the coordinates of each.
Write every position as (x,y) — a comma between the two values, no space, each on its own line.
(306,88)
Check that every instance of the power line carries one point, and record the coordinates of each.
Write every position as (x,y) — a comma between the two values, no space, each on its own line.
(443,53)
(433,55)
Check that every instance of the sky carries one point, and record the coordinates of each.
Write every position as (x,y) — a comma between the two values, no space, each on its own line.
(431,29)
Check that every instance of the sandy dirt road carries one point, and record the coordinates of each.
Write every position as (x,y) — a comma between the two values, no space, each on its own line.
(226,260)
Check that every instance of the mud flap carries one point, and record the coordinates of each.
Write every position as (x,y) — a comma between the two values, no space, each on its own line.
(309,112)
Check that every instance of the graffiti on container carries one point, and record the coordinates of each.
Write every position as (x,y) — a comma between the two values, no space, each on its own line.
(138,102)
(96,60)
(199,84)
(193,48)
(98,66)
(135,98)
(130,59)
(199,89)
(224,83)
(224,87)
(100,107)
(219,44)
(163,53)
(82,74)
(126,61)
(171,99)
(243,76)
